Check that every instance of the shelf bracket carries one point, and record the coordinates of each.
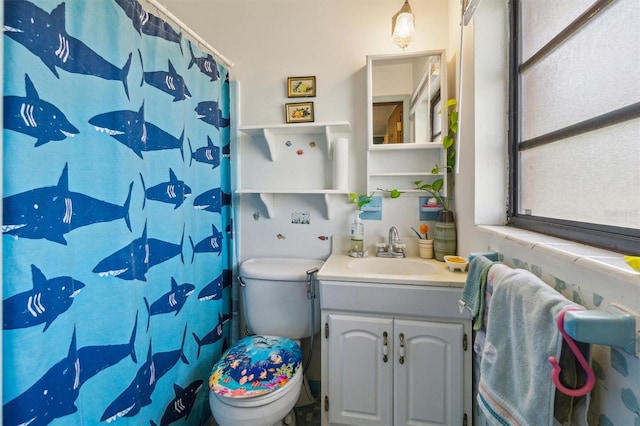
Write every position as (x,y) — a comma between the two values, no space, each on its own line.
(327,210)
(267,201)
(271,143)
(329,135)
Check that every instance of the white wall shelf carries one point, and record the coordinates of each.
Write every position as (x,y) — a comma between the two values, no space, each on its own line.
(302,158)
(391,174)
(273,134)
(268,198)
(405,146)
(400,165)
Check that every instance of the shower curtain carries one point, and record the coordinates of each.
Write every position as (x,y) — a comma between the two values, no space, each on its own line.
(117,232)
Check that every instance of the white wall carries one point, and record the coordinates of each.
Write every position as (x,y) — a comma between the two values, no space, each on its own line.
(269,41)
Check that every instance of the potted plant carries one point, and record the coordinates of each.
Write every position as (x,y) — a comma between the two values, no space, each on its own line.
(445,234)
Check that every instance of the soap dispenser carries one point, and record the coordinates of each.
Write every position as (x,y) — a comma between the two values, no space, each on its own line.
(357,236)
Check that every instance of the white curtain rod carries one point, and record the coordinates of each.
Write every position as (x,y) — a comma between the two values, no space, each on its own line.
(192,34)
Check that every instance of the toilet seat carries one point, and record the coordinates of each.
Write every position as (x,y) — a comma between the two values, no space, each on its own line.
(255,370)
(294,385)
(269,409)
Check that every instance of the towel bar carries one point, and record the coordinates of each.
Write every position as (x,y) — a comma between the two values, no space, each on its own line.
(491,255)
(614,326)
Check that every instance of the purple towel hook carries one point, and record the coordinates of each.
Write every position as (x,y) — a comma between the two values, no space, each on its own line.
(555,373)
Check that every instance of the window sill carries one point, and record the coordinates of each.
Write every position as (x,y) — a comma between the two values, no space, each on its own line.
(591,258)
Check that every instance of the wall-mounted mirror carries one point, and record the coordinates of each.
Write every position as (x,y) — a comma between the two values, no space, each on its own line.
(404,97)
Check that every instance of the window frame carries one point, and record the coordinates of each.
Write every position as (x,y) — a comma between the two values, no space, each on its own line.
(619,239)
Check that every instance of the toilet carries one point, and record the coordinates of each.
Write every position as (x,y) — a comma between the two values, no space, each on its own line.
(258,380)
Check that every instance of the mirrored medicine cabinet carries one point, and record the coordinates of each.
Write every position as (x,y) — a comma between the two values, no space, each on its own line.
(404,97)
(405,119)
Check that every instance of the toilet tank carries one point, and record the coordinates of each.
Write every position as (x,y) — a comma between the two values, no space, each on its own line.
(275,296)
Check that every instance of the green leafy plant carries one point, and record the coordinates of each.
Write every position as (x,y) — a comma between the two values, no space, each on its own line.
(362,200)
(393,193)
(448,143)
(359,199)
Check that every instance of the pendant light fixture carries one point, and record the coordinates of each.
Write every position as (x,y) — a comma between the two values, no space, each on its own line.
(402,26)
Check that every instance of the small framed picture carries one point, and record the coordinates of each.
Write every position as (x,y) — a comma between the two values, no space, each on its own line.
(301,87)
(299,112)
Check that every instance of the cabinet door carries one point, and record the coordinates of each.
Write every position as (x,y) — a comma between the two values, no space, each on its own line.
(360,388)
(428,365)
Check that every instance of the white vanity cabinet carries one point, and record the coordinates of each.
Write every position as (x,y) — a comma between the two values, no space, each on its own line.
(394,354)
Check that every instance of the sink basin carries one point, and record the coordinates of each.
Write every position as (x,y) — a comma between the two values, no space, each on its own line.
(384,266)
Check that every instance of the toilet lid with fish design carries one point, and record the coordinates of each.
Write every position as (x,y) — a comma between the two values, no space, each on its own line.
(255,365)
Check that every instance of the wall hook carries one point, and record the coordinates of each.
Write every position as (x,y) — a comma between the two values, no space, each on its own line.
(555,373)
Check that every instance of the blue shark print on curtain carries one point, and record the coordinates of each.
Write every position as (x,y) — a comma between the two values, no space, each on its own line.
(117,219)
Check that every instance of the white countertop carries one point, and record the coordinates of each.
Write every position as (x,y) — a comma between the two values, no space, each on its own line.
(341,267)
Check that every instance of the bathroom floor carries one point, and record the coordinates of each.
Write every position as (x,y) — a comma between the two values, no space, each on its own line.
(309,415)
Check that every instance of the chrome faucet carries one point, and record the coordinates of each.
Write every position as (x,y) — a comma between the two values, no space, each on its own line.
(394,247)
(393,237)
